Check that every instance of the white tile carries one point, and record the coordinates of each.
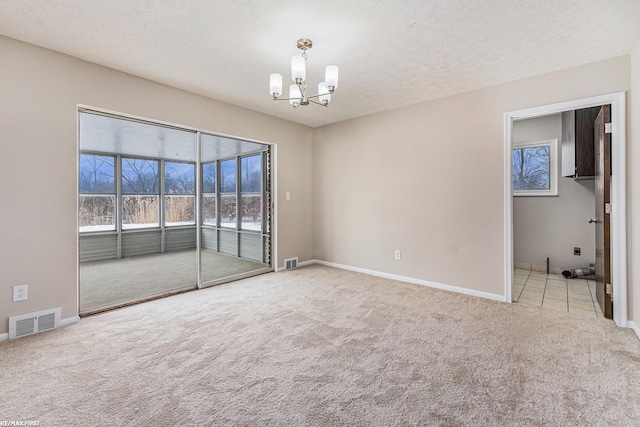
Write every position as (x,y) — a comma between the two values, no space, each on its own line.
(556,282)
(558,305)
(538,274)
(532,299)
(533,290)
(527,301)
(532,283)
(557,298)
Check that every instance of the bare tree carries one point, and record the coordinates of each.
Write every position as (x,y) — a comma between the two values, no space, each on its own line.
(140,176)
(96,174)
(530,168)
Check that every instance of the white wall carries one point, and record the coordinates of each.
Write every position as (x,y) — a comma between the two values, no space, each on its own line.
(428,180)
(38,135)
(552,226)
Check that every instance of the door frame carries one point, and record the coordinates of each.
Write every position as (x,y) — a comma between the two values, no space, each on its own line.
(618,192)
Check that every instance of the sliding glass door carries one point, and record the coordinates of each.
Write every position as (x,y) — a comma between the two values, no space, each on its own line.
(235,222)
(157,216)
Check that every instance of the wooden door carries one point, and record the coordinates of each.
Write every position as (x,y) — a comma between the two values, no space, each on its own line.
(602,152)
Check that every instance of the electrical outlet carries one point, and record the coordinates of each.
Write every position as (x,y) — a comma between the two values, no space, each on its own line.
(19,293)
(396,254)
(576,251)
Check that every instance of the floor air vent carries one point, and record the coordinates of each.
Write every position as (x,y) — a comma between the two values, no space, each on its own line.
(32,323)
(290,263)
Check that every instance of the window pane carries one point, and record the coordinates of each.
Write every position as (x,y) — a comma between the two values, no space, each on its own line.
(140,176)
(97,213)
(228,211)
(209,210)
(140,212)
(531,168)
(96,174)
(251,212)
(179,210)
(179,178)
(250,171)
(209,178)
(228,176)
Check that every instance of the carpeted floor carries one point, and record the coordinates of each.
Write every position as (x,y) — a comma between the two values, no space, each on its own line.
(320,346)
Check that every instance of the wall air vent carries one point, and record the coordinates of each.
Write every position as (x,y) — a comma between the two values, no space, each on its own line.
(32,323)
(290,263)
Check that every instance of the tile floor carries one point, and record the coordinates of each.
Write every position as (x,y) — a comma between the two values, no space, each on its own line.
(556,292)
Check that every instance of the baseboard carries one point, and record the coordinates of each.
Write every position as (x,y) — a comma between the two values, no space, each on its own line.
(632,325)
(300,264)
(63,322)
(538,268)
(69,321)
(309,262)
(427,283)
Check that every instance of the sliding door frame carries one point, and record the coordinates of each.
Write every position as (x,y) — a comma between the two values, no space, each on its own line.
(272,208)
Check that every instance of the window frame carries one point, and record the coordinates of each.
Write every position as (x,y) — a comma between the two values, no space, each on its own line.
(553,168)
(125,227)
(260,193)
(166,194)
(204,195)
(223,193)
(113,194)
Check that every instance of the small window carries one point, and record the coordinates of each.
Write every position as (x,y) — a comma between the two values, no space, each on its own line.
(251,174)
(141,193)
(228,194)
(97,204)
(535,168)
(228,176)
(251,193)
(180,194)
(209,194)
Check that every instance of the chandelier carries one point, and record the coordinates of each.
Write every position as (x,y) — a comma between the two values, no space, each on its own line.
(298,91)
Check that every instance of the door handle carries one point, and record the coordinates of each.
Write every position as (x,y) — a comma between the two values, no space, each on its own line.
(593,220)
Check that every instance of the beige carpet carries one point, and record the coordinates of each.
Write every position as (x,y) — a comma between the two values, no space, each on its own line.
(319,346)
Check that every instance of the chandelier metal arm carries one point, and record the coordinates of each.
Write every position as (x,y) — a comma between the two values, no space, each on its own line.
(324,104)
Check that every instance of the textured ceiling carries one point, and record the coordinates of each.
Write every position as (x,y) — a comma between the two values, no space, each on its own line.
(390,53)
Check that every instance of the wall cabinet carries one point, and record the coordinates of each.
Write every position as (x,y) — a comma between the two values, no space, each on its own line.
(578,160)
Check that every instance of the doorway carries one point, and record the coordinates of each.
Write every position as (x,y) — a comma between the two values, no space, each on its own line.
(551,209)
(618,192)
(164,209)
